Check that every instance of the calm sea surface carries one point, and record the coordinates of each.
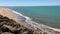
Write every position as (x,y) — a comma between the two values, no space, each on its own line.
(48,15)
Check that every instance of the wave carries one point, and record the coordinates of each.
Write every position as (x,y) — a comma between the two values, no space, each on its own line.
(34,24)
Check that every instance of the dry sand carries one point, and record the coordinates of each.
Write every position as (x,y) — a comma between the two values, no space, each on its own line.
(7,12)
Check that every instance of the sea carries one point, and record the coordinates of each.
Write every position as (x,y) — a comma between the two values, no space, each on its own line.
(47,15)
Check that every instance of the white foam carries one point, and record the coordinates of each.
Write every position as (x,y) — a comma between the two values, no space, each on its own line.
(27,18)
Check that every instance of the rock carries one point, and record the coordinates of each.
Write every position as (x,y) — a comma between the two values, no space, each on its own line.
(26,32)
(4,29)
(7,33)
(36,32)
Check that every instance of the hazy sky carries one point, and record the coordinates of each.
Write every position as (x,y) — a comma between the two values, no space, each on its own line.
(29,2)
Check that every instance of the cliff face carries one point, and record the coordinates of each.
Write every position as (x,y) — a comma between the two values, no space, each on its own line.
(10,25)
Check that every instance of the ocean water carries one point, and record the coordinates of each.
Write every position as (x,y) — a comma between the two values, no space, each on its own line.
(47,15)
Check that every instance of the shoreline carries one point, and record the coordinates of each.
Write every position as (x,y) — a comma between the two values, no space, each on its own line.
(34,25)
(27,18)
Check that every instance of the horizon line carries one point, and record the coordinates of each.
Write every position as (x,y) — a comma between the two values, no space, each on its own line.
(51,5)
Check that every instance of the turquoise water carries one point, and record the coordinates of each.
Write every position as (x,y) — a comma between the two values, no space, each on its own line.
(48,15)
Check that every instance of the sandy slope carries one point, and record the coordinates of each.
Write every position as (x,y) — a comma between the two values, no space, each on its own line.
(7,12)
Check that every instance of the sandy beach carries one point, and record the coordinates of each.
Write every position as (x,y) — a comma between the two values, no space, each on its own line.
(7,12)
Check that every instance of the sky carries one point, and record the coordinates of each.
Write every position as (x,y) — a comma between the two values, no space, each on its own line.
(29,2)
